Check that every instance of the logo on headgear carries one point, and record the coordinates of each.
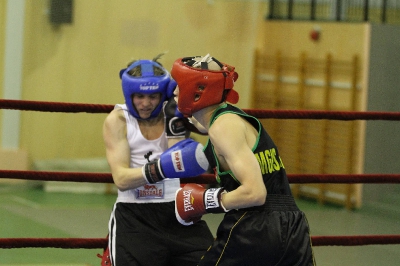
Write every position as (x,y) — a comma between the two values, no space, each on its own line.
(149,86)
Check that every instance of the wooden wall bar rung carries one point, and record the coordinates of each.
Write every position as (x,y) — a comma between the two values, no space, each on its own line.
(309,146)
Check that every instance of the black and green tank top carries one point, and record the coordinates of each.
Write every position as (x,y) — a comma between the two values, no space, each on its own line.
(265,151)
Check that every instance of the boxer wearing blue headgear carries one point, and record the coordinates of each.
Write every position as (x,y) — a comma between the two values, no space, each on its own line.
(146,77)
(147,153)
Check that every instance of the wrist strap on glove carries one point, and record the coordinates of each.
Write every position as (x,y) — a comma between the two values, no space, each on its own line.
(212,200)
(152,172)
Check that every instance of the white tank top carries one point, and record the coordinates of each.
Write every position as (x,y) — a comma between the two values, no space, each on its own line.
(143,151)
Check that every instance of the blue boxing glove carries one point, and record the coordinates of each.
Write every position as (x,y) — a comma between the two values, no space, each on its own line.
(185,159)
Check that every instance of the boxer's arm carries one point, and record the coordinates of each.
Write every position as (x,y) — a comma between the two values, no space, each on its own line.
(173,141)
(238,158)
(118,152)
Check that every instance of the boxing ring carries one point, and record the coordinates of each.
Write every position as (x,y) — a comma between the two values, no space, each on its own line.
(100,243)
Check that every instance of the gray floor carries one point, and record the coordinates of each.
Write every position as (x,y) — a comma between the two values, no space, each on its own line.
(33,212)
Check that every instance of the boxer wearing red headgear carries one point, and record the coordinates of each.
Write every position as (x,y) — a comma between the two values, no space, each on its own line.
(262,224)
(206,81)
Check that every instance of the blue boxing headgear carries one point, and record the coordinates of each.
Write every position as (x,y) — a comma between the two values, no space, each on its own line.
(147,83)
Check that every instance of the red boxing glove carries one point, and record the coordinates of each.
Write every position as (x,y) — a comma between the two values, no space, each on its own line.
(193,200)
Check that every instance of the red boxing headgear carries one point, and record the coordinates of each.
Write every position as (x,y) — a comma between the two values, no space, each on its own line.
(200,86)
